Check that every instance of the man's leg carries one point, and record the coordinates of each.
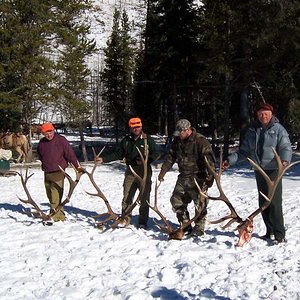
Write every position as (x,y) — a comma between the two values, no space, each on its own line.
(130,186)
(262,187)
(179,201)
(54,184)
(200,207)
(144,207)
(275,211)
(200,203)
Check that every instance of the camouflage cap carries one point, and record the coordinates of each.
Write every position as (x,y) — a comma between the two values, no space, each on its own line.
(182,124)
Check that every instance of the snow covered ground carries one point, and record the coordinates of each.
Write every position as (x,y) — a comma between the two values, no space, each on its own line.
(75,260)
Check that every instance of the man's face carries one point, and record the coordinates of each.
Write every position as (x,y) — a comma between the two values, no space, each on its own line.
(136,131)
(264,116)
(49,135)
(184,134)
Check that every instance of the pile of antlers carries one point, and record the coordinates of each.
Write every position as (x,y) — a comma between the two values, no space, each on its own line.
(114,220)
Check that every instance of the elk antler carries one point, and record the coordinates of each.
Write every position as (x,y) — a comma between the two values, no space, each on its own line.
(110,214)
(72,184)
(142,180)
(178,233)
(122,219)
(29,200)
(44,216)
(245,227)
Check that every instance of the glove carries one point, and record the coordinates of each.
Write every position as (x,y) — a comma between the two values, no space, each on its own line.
(80,169)
(98,160)
(161,176)
(138,160)
(225,164)
(209,181)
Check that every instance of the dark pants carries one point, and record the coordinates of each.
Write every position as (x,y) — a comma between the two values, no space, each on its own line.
(272,215)
(130,186)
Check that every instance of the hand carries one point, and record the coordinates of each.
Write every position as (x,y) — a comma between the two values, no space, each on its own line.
(98,160)
(138,161)
(80,169)
(284,163)
(209,181)
(160,177)
(225,164)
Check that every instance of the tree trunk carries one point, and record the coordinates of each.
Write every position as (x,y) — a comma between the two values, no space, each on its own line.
(82,143)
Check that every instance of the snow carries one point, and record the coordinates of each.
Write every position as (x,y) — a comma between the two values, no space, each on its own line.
(75,260)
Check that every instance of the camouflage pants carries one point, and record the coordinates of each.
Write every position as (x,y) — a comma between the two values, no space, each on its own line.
(185,192)
(54,184)
(130,186)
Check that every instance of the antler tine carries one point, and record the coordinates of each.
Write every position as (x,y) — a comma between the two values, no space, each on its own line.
(233,216)
(96,156)
(99,193)
(29,198)
(142,180)
(167,228)
(272,184)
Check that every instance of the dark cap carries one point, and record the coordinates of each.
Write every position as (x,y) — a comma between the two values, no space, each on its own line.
(265,106)
(182,124)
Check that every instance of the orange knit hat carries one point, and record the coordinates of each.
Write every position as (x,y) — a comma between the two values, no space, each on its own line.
(47,127)
(135,122)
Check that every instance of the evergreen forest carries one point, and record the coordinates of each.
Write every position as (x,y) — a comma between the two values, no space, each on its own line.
(212,62)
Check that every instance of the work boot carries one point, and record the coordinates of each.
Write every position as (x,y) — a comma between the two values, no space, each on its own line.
(198,230)
(182,215)
(188,230)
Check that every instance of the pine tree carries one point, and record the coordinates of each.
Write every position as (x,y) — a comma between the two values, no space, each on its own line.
(167,77)
(249,45)
(73,72)
(117,76)
(25,70)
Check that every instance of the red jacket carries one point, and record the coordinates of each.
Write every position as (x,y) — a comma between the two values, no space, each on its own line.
(55,153)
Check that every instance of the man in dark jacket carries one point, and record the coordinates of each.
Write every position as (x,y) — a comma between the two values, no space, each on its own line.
(263,135)
(127,149)
(54,151)
(189,150)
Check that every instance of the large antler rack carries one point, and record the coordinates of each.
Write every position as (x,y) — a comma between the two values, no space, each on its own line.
(245,227)
(46,217)
(123,219)
(110,214)
(173,233)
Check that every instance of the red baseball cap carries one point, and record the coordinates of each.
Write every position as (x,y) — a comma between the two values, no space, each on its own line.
(47,127)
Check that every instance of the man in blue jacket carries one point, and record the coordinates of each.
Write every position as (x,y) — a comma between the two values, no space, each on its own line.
(263,135)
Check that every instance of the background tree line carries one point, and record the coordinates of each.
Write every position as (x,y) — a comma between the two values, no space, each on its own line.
(210,63)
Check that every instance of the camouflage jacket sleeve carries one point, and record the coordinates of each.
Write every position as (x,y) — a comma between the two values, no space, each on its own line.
(169,160)
(204,148)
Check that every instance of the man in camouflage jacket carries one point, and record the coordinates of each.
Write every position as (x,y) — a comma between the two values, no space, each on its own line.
(189,150)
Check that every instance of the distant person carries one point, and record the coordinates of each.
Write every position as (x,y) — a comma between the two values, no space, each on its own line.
(54,151)
(189,150)
(264,134)
(127,149)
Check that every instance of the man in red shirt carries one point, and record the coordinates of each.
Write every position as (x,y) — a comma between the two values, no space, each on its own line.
(54,151)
